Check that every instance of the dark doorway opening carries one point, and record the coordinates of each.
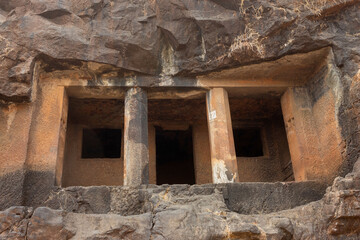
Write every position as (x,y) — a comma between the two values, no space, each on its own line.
(174,157)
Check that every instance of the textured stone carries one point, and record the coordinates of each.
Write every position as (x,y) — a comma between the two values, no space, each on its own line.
(136,146)
(255,198)
(81,200)
(47,224)
(167,37)
(11,185)
(243,198)
(94,227)
(175,213)
(175,39)
(13,222)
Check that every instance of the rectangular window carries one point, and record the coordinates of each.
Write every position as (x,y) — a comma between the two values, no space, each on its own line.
(101,143)
(248,142)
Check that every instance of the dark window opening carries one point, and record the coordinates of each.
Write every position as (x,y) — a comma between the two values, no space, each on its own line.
(101,143)
(174,157)
(248,142)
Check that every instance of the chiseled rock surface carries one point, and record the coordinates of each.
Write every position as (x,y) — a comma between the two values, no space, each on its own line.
(243,198)
(202,216)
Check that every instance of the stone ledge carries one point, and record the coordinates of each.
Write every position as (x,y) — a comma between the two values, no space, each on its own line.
(244,198)
(191,212)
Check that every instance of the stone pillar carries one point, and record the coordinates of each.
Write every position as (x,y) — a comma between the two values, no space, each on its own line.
(46,143)
(15,122)
(301,132)
(136,147)
(222,147)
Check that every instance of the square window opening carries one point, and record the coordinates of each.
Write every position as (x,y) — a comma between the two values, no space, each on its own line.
(101,143)
(248,142)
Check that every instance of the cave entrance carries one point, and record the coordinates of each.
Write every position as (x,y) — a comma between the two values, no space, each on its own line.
(94,142)
(174,157)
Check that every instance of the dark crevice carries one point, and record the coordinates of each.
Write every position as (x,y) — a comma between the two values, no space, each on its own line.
(55,13)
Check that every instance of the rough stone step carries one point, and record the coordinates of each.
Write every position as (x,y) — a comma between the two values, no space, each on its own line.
(244,198)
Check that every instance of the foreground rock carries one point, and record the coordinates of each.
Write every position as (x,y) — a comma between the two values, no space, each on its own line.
(243,198)
(204,216)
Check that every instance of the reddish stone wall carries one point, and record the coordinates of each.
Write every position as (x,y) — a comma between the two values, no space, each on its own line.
(312,126)
(270,167)
(175,108)
(15,121)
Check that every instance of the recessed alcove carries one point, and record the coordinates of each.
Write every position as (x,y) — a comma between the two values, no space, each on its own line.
(178,147)
(94,143)
(261,146)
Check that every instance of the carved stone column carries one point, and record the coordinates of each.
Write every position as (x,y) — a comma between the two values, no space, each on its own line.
(136,147)
(222,147)
(301,133)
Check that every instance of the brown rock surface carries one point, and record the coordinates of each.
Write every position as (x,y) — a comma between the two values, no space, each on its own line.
(176,214)
(179,38)
(169,37)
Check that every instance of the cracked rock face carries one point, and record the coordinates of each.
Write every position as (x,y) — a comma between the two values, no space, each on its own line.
(243,198)
(163,37)
(175,215)
(181,38)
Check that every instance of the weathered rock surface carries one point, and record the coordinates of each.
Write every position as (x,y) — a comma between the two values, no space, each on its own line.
(172,214)
(180,38)
(244,198)
(164,37)
(14,221)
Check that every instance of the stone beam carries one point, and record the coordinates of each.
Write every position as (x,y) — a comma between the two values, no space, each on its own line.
(180,82)
(222,147)
(136,147)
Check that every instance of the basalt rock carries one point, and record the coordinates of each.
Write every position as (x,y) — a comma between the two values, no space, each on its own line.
(178,39)
(243,198)
(168,37)
(177,214)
